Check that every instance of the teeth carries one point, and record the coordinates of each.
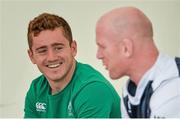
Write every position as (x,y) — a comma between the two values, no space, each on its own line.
(54,65)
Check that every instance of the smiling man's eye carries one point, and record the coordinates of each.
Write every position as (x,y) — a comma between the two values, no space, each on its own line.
(41,51)
(58,48)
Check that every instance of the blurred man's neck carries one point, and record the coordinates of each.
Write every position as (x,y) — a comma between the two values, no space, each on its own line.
(143,63)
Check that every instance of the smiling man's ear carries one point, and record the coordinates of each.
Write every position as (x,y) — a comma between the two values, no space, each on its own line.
(74,48)
(30,53)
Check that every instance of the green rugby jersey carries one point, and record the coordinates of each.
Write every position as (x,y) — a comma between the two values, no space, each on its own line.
(87,95)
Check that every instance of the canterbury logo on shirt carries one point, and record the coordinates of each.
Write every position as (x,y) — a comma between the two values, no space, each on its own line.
(40,107)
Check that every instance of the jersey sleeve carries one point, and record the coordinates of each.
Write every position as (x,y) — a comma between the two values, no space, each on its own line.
(29,109)
(96,100)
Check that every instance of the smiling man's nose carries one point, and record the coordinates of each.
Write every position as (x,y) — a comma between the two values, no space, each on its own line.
(51,55)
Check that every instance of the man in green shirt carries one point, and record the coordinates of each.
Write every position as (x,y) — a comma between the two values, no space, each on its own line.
(66,88)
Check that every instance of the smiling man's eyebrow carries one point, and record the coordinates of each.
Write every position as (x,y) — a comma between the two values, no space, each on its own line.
(55,44)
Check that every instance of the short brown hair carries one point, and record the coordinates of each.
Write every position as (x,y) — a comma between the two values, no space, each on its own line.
(47,21)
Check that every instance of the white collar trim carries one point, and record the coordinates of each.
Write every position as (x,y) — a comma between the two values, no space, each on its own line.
(163,69)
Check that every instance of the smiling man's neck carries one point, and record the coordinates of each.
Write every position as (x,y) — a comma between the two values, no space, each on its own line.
(58,85)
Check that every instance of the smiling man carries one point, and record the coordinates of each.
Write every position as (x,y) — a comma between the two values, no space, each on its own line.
(66,88)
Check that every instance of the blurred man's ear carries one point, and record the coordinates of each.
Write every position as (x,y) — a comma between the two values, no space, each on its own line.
(74,48)
(30,53)
(127,47)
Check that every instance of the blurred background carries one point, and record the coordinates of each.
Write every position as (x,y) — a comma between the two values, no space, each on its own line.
(16,70)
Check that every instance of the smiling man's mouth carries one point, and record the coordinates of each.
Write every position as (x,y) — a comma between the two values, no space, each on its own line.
(54,65)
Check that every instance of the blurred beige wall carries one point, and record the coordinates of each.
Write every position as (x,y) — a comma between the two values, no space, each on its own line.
(16,70)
